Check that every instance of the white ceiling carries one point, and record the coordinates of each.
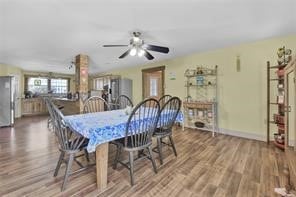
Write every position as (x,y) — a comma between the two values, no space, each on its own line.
(45,35)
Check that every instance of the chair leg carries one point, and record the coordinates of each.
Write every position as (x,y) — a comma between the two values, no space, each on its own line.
(131,161)
(68,171)
(152,159)
(159,147)
(118,152)
(86,155)
(140,153)
(173,145)
(59,164)
(48,122)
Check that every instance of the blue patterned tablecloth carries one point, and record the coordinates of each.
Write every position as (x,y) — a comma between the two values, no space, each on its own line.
(101,127)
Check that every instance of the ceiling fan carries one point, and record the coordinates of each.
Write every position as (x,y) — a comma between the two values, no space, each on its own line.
(138,47)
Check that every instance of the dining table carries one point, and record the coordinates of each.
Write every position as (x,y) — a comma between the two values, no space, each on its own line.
(101,128)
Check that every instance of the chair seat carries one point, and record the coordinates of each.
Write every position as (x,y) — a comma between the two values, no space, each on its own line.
(129,142)
(121,141)
(162,131)
(81,147)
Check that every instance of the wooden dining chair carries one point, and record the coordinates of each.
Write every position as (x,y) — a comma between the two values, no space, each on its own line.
(123,101)
(95,104)
(48,103)
(167,118)
(138,136)
(162,100)
(70,144)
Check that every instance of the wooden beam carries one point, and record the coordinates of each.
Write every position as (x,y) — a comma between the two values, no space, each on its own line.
(81,78)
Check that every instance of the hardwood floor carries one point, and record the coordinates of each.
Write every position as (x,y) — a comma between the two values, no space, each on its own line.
(205,166)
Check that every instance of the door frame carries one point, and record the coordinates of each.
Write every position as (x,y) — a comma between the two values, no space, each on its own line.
(289,69)
(151,70)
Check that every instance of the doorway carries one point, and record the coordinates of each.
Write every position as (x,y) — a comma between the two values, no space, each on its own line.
(291,127)
(290,104)
(153,82)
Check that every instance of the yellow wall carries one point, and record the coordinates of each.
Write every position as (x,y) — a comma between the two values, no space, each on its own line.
(5,70)
(241,95)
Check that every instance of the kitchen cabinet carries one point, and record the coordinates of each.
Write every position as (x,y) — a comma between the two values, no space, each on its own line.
(33,106)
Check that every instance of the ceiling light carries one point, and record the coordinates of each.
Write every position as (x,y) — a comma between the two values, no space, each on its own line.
(133,51)
(136,39)
(141,52)
(72,64)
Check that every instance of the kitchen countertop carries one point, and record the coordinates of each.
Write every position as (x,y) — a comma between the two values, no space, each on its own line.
(54,98)
(65,99)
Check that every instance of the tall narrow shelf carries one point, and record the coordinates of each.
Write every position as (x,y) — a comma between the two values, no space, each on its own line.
(276,103)
(200,105)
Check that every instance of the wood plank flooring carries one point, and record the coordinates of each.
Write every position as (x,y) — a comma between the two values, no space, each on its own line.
(205,166)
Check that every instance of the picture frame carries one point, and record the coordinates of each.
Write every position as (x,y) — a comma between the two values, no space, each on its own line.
(37,82)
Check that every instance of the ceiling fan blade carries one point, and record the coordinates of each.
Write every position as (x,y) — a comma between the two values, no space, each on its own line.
(115,45)
(156,48)
(125,54)
(148,55)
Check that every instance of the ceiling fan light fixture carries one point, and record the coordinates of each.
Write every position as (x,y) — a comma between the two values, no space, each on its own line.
(136,39)
(133,51)
(141,52)
(138,47)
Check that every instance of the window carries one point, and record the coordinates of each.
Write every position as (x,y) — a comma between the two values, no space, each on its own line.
(153,86)
(42,85)
(38,85)
(59,86)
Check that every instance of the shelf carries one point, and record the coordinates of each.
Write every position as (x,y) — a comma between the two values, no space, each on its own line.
(202,89)
(195,85)
(276,103)
(277,79)
(197,75)
(279,145)
(277,74)
(278,66)
(198,105)
(273,122)
(202,129)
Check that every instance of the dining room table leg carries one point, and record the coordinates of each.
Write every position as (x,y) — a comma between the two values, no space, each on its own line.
(102,166)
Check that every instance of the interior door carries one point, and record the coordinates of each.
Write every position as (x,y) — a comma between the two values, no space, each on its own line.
(153,82)
(290,102)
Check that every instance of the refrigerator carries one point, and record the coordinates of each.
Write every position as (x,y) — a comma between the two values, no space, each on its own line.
(6,101)
(120,87)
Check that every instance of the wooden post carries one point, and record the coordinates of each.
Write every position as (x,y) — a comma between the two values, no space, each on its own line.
(268,103)
(81,75)
(102,166)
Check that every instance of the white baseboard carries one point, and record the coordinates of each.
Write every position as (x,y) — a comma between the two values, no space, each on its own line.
(242,134)
(247,135)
